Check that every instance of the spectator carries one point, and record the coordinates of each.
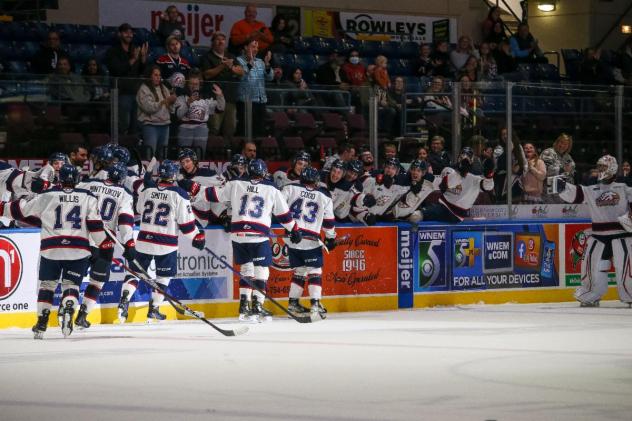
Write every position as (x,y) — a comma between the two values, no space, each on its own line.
(493,19)
(218,65)
(477,143)
(505,61)
(558,159)
(438,157)
(77,155)
(593,70)
(126,61)
(65,85)
(424,62)
(436,98)
(497,36)
(173,67)
(170,25)
(488,69)
(275,88)
(518,165)
(471,69)
(252,87)
(250,29)
(94,77)
(533,178)
(354,69)
(155,105)
(193,111)
(501,144)
(626,61)
(249,150)
(626,173)
(331,75)
(381,77)
(299,94)
(283,38)
(441,60)
(524,46)
(397,99)
(464,50)
(422,155)
(45,61)
(471,101)
(346,152)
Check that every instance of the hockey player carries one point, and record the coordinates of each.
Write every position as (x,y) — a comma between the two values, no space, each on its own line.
(312,209)
(283,177)
(165,209)
(101,158)
(237,167)
(387,189)
(420,186)
(342,192)
(459,188)
(68,218)
(253,200)
(609,241)
(115,207)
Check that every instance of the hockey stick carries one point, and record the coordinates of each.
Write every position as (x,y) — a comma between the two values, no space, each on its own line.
(320,242)
(175,303)
(313,317)
(240,330)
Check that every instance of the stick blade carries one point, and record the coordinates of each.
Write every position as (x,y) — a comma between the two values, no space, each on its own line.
(239,330)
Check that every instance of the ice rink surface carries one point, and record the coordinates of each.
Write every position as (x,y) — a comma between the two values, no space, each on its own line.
(505,362)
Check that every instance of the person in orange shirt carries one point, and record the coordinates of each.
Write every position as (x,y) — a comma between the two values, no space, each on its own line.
(381,73)
(250,29)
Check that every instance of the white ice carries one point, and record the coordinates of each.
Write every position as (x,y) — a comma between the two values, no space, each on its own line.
(507,362)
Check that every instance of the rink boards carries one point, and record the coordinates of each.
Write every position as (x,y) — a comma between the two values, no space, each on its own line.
(374,268)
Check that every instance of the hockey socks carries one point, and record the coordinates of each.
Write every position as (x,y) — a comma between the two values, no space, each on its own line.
(91,294)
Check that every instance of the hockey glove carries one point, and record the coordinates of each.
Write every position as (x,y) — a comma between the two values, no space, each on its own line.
(130,251)
(190,186)
(148,181)
(224,220)
(443,186)
(370,219)
(488,168)
(369,201)
(38,185)
(199,241)
(415,188)
(560,184)
(430,177)
(106,247)
(295,235)
(330,243)
(388,181)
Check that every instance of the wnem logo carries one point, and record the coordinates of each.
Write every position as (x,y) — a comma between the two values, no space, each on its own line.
(11,265)
(465,252)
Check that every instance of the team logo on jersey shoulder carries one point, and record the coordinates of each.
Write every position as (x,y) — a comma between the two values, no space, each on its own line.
(608,198)
(456,189)
(12,265)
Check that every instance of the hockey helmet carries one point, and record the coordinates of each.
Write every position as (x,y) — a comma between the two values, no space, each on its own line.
(310,175)
(238,159)
(117,172)
(301,156)
(188,153)
(466,152)
(392,162)
(56,156)
(418,164)
(257,168)
(102,155)
(121,154)
(168,170)
(607,167)
(68,175)
(354,166)
(338,163)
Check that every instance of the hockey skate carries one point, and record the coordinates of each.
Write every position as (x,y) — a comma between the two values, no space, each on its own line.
(259,313)
(81,321)
(295,307)
(68,312)
(245,313)
(317,308)
(41,325)
(154,314)
(123,307)
(593,304)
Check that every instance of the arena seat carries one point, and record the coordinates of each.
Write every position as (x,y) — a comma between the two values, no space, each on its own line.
(141,35)
(7,51)
(14,31)
(370,48)
(68,32)
(38,31)
(18,67)
(391,49)
(302,45)
(293,144)
(327,143)
(108,35)
(334,126)
(320,45)
(80,53)
(90,34)
(307,62)
(409,49)
(98,139)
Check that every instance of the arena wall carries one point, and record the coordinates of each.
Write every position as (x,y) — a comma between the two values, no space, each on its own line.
(387,267)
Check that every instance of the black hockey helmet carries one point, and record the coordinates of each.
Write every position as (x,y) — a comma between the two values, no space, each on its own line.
(257,168)
(68,175)
(117,172)
(188,153)
(355,166)
(56,156)
(168,170)
(310,175)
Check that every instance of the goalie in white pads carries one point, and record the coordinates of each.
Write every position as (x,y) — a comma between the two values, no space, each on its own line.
(312,209)
(165,210)
(253,201)
(68,218)
(609,241)
(115,205)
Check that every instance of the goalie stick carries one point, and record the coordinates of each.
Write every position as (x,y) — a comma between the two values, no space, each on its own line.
(175,303)
(312,318)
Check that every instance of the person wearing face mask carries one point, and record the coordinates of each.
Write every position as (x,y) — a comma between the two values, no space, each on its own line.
(354,70)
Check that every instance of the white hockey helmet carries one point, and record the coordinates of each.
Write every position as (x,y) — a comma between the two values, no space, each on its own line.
(607,167)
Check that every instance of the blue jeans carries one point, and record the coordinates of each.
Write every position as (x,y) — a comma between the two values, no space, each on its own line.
(156,137)
(127,114)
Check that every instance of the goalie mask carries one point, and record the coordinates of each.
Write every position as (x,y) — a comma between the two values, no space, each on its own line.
(607,167)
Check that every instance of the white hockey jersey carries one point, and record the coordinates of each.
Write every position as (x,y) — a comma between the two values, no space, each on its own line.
(197,112)
(343,195)
(312,210)
(461,192)
(385,198)
(115,205)
(410,201)
(12,183)
(606,202)
(253,203)
(203,210)
(67,217)
(282,178)
(164,211)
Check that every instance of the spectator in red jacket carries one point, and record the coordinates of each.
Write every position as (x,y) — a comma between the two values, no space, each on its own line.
(355,69)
